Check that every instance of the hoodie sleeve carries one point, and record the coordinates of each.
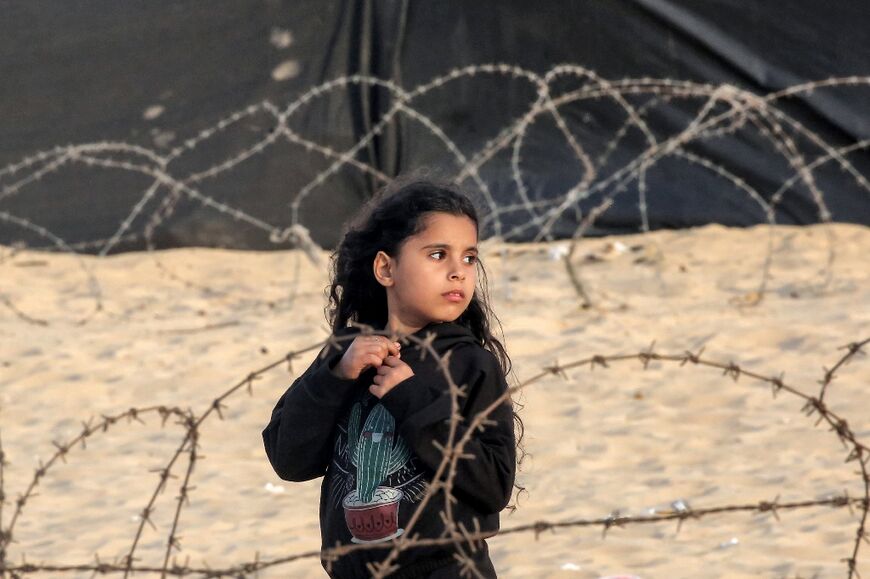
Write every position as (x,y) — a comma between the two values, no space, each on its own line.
(421,407)
(299,436)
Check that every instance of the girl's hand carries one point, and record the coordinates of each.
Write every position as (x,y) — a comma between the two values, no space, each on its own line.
(365,352)
(390,373)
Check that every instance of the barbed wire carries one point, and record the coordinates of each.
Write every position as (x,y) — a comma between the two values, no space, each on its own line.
(464,540)
(717,111)
(723,110)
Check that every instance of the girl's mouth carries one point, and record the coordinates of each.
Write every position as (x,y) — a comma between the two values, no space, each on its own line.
(454,296)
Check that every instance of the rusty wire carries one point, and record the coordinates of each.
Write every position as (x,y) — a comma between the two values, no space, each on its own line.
(460,537)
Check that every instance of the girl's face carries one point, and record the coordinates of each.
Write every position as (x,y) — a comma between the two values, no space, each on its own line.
(441,259)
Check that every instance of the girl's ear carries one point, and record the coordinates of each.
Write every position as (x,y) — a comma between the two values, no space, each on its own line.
(382,268)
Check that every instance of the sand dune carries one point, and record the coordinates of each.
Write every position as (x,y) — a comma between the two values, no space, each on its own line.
(180,327)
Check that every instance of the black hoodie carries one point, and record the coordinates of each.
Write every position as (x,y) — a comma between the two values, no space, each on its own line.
(325,425)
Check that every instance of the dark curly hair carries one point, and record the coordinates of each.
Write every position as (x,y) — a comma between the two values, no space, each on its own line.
(392,215)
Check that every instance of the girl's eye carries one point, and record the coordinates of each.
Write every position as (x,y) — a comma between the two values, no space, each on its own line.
(471,258)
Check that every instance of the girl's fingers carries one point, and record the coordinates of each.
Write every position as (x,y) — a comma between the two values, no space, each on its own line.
(384,348)
(375,350)
(392,361)
(375,360)
(388,348)
(385,365)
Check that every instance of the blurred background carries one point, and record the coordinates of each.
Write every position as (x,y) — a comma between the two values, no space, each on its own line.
(166,124)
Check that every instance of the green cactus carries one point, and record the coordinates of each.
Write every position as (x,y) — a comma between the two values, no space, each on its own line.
(353,428)
(377,451)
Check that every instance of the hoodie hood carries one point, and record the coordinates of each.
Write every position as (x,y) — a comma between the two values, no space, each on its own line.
(447,335)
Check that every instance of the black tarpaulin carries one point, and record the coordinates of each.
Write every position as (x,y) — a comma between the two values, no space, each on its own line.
(226,124)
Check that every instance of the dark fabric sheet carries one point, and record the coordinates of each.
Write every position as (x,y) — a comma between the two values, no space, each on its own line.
(83,72)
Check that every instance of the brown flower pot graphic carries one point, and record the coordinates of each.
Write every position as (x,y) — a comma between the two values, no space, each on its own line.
(372,511)
(374,521)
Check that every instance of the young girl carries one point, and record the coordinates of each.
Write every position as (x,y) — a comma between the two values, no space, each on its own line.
(372,417)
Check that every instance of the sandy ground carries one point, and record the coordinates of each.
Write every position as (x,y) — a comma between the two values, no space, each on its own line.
(618,438)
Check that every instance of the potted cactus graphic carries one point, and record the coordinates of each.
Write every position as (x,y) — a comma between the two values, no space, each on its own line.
(372,511)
